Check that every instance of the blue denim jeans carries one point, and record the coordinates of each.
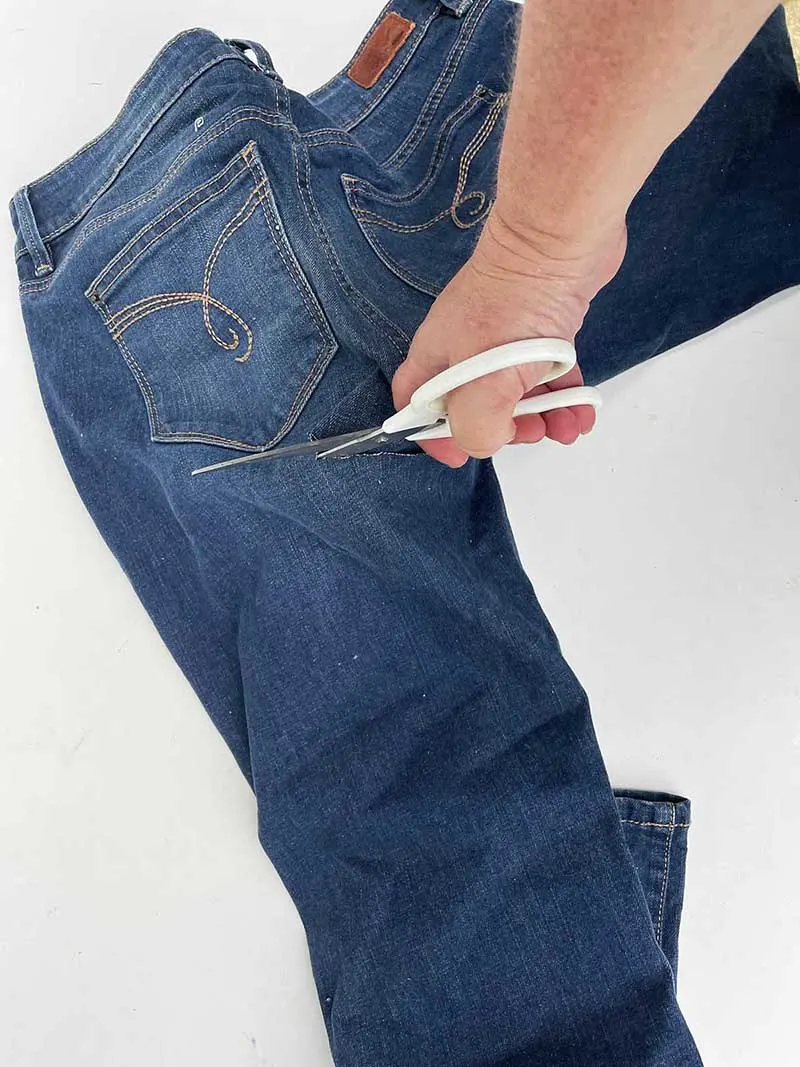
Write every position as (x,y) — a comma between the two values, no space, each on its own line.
(232,264)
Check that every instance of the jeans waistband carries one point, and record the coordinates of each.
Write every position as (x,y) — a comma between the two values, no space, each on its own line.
(48,207)
(54,203)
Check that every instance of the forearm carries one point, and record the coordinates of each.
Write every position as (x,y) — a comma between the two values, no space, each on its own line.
(600,90)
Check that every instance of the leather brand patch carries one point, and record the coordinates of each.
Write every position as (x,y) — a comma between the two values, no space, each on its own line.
(381,47)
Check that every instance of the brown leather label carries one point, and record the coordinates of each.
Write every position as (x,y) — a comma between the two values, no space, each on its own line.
(381,47)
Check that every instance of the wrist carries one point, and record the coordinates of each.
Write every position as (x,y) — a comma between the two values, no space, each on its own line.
(569,268)
(567,250)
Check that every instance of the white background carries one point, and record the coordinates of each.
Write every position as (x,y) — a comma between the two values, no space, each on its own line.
(140,923)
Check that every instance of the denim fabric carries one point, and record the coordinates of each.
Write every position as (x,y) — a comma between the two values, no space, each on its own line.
(656,827)
(232,264)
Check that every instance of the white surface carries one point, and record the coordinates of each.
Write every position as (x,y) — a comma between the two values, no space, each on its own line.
(140,923)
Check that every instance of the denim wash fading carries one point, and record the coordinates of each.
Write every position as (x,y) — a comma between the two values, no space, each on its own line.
(233,264)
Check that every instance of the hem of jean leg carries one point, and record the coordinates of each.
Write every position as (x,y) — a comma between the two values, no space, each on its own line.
(640,807)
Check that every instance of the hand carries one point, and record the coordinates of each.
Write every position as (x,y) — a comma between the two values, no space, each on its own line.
(514,286)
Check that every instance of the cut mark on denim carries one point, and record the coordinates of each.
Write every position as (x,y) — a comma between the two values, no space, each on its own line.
(659,825)
(148,305)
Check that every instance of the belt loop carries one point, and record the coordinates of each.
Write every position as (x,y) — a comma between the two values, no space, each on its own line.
(264,62)
(457,7)
(29,232)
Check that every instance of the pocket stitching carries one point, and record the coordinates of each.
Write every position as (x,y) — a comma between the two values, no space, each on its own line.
(278,234)
(365,218)
(431,288)
(177,164)
(439,88)
(388,224)
(120,321)
(396,337)
(159,432)
(246,162)
(97,286)
(452,124)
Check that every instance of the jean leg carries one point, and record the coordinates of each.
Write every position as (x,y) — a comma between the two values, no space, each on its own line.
(429,785)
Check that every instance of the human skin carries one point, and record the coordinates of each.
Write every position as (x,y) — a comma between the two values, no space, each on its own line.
(600,90)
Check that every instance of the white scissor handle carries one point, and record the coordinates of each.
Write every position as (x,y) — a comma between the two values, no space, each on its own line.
(530,405)
(429,402)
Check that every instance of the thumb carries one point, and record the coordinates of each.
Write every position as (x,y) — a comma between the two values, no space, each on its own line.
(481,412)
(410,375)
(413,372)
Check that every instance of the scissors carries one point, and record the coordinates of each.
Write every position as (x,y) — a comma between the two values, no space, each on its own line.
(425,416)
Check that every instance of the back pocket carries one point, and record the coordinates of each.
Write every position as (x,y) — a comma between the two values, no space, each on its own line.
(214,316)
(425,234)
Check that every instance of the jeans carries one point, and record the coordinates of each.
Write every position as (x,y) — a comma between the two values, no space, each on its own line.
(233,264)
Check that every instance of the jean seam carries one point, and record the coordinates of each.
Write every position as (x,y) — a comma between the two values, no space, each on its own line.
(258,175)
(280,237)
(318,131)
(93,200)
(174,168)
(331,140)
(34,287)
(367,455)
(439,88)
(659,825)
(310,301)
(396,337)
(451,125)
(184,157)
(374,101)
(665,876)
(283,102)
(99,285)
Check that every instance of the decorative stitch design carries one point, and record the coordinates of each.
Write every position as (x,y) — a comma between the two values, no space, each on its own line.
(476,213)
(123,319)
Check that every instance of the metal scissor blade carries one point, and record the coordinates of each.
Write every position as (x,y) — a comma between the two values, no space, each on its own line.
(314,448)
(368,440)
